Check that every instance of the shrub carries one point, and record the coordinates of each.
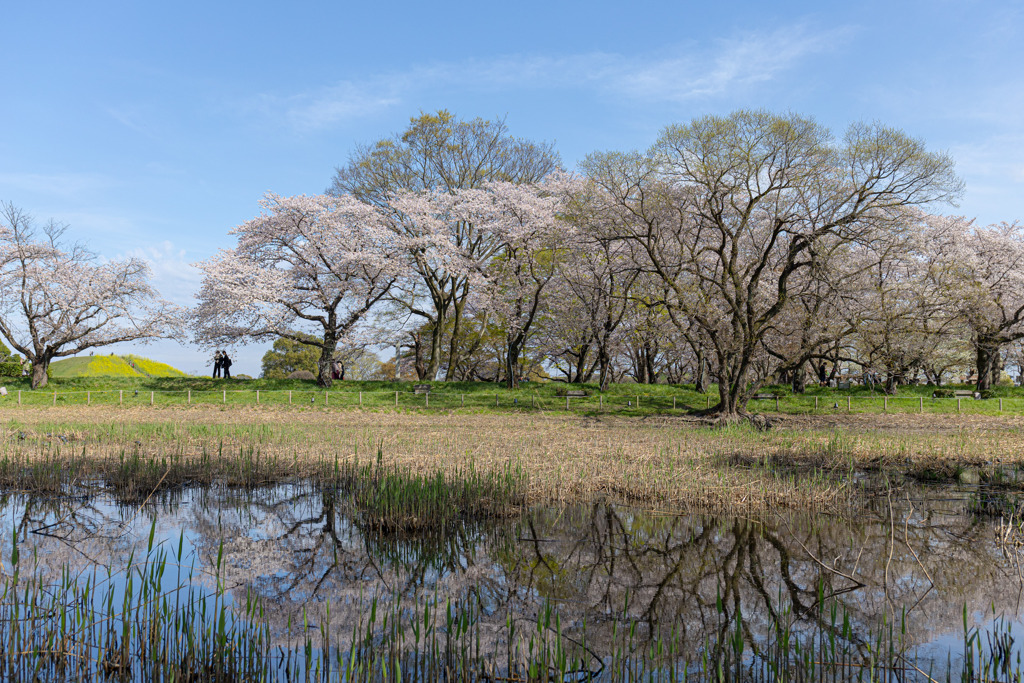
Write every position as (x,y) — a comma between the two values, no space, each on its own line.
(10,369)
(302,374)
(943,393)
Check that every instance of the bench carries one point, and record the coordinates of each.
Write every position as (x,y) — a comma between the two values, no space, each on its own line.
(764,397)
(421,388)
(965,393)
(842,385)
(576,393)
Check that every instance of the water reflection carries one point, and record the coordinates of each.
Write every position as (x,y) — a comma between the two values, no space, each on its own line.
(913,555)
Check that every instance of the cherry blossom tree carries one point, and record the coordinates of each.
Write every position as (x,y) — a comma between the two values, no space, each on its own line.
(981,271)
(309,269)
(58,299)
(523,221)
(439,153)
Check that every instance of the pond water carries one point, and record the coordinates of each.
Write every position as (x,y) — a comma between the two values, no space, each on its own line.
(592,590)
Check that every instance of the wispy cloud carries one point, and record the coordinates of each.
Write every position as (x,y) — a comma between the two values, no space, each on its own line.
(685,73)
(65,185)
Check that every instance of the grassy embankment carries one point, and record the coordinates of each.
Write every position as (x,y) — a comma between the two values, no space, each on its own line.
(622,399)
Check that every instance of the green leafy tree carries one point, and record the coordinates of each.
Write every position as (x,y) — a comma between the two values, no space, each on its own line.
(289,355)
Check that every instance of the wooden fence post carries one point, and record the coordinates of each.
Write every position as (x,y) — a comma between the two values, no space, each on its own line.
(396,399)
(327,398)
(885,404)
(88,398)
(462,399)
(495,400)
(257,397)
(709,401)
(638,400)
(567,403)
(920,404)
(815,404)
(360,399)
(1000,402)
(19,397)
(120,396)
(224,396)
(776,403)
(600,402)
(289,397)
(958,405)
(55,398)
(426,400)
(151,397)
(190,397)
(673,403)
(849,406)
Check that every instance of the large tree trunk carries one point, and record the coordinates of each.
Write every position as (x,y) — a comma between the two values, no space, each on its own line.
(39,376)
(799,379)
(515,346)
(987,354)
(700,375)
(434,361)
(326,360)
(453,345)
(648,357)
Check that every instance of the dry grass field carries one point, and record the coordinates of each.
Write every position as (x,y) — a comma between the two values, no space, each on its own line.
(670,463)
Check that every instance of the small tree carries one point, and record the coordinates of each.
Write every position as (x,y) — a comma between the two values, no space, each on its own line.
(322,262)
(57,299)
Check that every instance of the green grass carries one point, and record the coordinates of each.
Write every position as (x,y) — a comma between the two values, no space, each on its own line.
(93,367)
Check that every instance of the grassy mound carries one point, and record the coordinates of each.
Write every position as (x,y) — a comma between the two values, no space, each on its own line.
(111,366)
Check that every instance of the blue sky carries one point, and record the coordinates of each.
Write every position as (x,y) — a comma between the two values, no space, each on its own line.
(151,129)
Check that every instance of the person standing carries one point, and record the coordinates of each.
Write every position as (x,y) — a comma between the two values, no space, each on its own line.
(225,362)
(217,362)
